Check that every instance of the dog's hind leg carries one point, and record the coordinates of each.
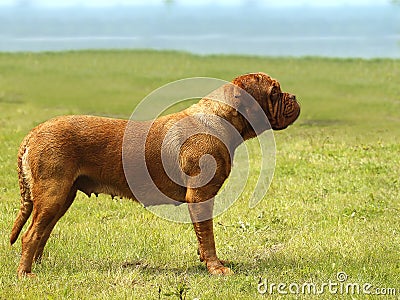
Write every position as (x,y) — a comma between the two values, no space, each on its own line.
(69,200)
(49,199)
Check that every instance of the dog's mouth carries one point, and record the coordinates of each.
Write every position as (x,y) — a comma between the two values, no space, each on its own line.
(289,113)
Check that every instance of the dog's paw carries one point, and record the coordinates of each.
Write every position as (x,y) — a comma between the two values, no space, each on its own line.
(219,269)
(23,274)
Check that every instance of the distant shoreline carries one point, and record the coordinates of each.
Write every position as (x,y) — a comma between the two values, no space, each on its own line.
(189,54)
(350,31)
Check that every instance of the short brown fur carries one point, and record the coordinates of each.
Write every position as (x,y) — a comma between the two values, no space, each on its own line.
(71,153)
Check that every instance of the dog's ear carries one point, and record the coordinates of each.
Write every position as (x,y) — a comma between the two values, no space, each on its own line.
(254,84)
(250,99)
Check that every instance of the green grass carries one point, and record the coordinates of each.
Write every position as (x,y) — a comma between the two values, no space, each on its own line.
(333,204)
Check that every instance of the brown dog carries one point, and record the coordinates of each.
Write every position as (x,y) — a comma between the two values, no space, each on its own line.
(71,153)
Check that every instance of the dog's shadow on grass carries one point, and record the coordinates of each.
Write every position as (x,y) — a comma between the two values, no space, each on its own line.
(144,268)
(256,267)
(197,268)
(252,267)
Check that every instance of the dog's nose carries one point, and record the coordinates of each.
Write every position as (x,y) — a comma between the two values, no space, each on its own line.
(292,97)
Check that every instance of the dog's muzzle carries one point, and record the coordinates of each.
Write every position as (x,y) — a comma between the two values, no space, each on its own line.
(290,111)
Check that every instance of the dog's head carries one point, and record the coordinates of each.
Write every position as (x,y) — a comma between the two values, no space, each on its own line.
(281,108)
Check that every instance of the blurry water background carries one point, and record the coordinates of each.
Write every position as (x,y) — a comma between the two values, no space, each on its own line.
(244,27)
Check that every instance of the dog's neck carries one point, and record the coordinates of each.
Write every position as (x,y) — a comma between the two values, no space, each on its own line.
(227,113)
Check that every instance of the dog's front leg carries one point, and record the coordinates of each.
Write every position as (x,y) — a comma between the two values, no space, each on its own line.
(201,215)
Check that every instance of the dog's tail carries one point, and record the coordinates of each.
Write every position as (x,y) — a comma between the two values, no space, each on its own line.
(25,181)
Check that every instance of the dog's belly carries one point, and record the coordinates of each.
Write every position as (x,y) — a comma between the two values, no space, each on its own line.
(157,192)
(138,184)
(91,186)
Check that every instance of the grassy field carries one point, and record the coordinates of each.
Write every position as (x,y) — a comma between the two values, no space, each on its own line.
(333,205)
